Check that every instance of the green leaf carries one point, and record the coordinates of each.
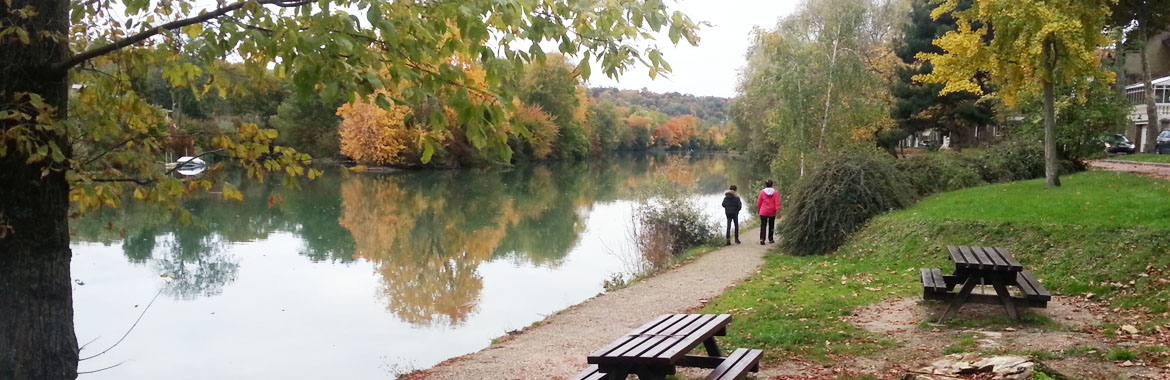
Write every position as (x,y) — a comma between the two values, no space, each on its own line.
(428,151)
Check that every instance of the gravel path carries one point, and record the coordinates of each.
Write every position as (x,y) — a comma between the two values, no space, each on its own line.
(1156,170)
(556,349)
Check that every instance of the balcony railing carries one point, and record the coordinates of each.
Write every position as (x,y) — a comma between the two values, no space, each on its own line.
(1137,113)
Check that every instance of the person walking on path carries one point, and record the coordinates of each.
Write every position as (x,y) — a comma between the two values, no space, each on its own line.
(768,207)
(732,205)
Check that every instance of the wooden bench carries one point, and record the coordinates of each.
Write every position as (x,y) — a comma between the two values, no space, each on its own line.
(1032,289)
(655,350)
(591,373)
(934,284)
(980,266)
(737,365)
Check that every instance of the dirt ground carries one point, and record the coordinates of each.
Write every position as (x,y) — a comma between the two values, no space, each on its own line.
(1073,344)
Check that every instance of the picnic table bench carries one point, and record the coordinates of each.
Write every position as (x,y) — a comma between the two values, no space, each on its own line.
(658,347)
(983,265)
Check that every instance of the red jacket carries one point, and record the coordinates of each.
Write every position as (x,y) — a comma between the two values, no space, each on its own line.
(768,203)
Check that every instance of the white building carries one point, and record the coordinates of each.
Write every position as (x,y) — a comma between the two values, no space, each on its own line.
(1142,132)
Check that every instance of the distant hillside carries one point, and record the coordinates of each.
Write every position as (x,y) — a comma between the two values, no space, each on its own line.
(710,109)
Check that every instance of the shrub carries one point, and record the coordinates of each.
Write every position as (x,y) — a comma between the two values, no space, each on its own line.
(668,221)
(1016,160)
(929,174)
(838,198)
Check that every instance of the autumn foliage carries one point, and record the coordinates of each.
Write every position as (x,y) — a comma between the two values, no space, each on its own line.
(539,130)
(371,134)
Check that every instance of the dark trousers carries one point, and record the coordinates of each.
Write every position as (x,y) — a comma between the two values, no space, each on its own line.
(767,227)
(732,219)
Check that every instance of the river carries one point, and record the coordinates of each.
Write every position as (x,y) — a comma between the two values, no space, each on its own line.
(362,276)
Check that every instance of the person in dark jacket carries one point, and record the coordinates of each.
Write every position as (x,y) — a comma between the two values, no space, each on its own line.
(732,205)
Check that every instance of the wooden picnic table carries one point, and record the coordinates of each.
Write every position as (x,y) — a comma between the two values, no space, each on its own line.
(658,347)
(984,265)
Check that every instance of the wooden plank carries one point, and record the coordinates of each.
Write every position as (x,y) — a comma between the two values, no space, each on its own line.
(621,340)
(700,361)
(658,337)
(927,280)
(997,261)
(737,365)
(1007,256)
(956,256)
(993,299)
(682,324)
(651,337)
(940,283)
(976,261)
(667,343)
(692,339)
(591,373)
(1031,286)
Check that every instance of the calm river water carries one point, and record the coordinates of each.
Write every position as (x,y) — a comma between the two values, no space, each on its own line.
(363,276)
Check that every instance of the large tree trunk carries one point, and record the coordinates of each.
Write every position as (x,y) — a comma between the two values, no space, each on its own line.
(1151,130)
(36,304)
(1051,163)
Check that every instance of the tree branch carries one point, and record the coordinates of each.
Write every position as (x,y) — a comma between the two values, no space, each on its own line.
(137,181)
(142,36)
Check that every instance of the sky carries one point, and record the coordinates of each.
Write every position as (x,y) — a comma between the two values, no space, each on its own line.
(712,68)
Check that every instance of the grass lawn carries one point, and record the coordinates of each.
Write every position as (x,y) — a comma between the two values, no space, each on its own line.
(1095,234)
(1144,157)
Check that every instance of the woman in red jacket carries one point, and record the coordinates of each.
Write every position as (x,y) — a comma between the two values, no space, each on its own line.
(768,207)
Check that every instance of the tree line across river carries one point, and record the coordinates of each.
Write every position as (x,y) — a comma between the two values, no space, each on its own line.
(555,117)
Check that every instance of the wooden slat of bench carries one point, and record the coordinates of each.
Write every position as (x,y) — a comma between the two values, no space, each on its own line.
(933,281)
(956,255)
(667,343)
(981,260)
(639,330)
(1031,286)
(692,339)
(737,365)
(653,336)
(997,261)
(1007,256)
(665,336)
(927,279)
(591,373)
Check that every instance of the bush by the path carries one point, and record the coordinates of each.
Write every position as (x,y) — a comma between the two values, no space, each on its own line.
(837,199)
(668,222)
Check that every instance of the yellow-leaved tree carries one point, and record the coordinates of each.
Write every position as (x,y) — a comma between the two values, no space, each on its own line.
(1035,44)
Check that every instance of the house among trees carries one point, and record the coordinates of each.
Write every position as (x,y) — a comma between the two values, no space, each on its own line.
(1157,50)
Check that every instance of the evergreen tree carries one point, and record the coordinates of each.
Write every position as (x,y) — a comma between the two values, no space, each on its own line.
(919,106)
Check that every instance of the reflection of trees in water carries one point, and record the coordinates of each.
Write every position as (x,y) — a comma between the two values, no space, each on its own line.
(191,257)
(427,232)
(194,257)
(195,263)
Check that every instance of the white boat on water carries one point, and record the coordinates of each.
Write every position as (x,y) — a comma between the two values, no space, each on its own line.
(188,165)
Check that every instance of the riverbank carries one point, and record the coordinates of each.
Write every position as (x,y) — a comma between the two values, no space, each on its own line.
(1098,243)
(556,347)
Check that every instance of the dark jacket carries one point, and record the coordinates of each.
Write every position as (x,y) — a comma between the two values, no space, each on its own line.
(731,203)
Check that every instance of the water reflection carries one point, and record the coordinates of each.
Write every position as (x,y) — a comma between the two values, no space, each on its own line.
(427,237)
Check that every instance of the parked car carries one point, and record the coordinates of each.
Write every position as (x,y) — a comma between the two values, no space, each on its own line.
(1162,144)
(1118,143)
